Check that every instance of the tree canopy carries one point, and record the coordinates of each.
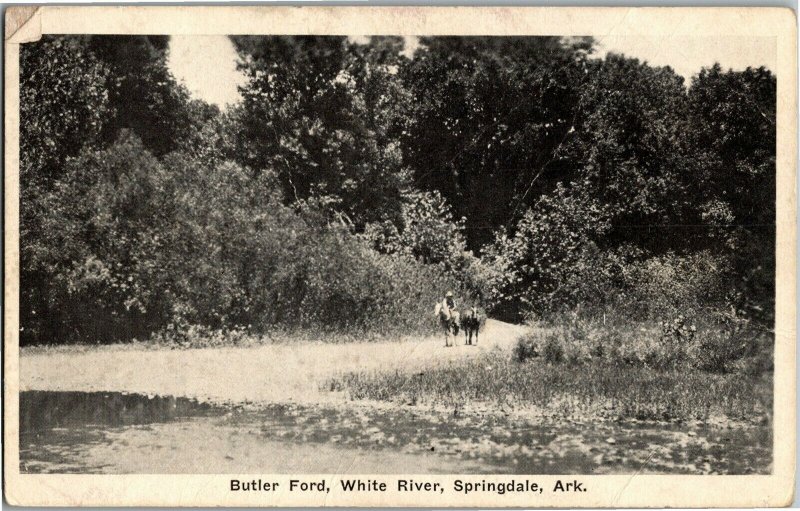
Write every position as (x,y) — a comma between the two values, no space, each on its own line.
(354,182)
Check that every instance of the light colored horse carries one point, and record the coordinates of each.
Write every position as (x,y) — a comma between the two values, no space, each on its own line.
(449,323)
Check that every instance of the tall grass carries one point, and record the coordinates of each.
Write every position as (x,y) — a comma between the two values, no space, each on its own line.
(676,369)
(705,342)
(594,390)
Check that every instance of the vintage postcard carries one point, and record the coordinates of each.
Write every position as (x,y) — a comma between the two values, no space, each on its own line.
(400,256)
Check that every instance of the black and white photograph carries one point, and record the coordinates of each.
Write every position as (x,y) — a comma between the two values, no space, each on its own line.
(397,254)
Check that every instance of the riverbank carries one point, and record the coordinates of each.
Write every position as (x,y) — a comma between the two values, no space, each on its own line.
(268,373)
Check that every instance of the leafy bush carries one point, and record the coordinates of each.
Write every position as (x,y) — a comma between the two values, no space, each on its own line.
(716,351)
(547,248)
(672,286)
(553,350)
(720,344)
(760,363)
(145,245)
(427,230)
(731,339)
(526,348)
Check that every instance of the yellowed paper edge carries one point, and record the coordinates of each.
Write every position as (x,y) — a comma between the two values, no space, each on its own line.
(776,489)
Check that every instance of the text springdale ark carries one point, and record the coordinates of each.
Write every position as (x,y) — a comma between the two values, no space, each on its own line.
(408,485)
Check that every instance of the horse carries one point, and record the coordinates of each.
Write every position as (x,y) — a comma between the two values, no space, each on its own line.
(472,321)
(448,322)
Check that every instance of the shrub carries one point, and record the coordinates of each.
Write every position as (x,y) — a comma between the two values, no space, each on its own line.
(670,285)
(526,348)
(553,350)
(720,346)
(550,267)
(715,353)
(427,230)
(185,246)
(598,350)
(763,362)
(547,248)
(577,354)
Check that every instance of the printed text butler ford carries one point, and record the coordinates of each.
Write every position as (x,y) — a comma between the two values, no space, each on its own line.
(406,485)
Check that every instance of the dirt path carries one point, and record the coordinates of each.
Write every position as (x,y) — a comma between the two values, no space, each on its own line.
(273,373)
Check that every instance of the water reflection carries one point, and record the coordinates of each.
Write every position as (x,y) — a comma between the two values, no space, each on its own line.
(41,410)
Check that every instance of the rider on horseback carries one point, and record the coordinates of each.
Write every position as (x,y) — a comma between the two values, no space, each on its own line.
(449,307)
(448,316)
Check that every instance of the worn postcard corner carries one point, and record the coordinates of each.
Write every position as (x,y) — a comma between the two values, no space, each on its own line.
(22,24)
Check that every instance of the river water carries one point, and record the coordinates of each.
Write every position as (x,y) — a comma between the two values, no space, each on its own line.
(117,433)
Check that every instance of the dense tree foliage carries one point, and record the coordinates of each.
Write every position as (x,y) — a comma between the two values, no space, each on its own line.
(78,92)
(628,150)
(317,111)
(733,134)
(145,97)
(355,182)
(63,105)
(486,119)
(649,181)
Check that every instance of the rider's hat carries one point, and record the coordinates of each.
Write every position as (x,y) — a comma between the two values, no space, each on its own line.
(449,294)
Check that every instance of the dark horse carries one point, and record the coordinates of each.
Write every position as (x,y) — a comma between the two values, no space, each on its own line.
(472,321)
